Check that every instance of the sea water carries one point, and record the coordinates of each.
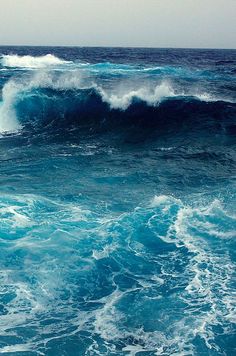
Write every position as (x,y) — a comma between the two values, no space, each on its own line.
(117,201)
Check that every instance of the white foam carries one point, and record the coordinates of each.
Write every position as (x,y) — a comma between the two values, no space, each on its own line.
(209,98)
(17,61)
(15,348)
(151,96)
(209,272)
(18,219)
(8,119)
(216,274)
(164,199)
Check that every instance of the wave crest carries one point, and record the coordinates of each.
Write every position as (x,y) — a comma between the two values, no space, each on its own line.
(150,96)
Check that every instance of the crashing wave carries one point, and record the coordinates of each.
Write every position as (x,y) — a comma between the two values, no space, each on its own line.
(150,96)
(76,95)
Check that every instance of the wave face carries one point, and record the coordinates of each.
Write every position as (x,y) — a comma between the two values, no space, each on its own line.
(76,96)
(117,201)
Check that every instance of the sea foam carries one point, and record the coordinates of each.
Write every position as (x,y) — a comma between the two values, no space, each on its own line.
(15,60)
(8,119)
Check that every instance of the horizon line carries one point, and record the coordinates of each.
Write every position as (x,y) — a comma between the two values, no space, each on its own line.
(103,46)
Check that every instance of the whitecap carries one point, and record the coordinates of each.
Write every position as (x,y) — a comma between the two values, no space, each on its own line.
(14,60)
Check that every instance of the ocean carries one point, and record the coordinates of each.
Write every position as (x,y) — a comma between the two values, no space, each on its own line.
(117,201)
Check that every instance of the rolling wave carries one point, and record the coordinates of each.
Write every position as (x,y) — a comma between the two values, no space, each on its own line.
(75,95)
(74,99)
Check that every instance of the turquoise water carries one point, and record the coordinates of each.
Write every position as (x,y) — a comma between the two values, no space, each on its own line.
(117,202)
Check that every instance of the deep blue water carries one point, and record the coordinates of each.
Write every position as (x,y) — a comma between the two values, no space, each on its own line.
(117,201)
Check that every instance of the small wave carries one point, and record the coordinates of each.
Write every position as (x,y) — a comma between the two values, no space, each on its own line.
(17,61)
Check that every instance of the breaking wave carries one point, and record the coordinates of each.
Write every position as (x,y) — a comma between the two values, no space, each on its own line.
(72,98)
(17,61)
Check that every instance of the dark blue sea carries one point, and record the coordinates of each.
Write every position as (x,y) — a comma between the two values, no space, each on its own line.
(117,201)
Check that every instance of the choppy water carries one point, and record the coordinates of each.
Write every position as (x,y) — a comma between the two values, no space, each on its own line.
(117,201)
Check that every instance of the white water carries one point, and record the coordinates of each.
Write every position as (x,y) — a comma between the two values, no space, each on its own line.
(151,96)
(8,119)
(31,62)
